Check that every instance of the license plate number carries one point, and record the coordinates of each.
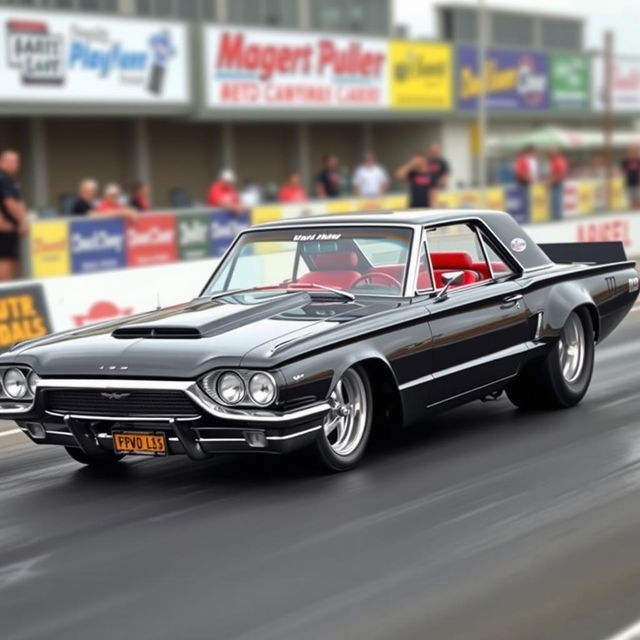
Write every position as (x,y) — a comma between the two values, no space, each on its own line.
(151,444)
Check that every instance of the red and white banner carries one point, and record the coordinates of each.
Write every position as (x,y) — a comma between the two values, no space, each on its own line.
(258,68)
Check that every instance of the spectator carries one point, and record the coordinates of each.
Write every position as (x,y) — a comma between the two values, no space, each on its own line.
(438,166)
(139,199)
(558,171)
(13,221)
(328,182)
(370,179)
(85,202)
(223,193)
(111,204)
(416,173)
(292,190)
(251,194)
(526,167)
(631,169)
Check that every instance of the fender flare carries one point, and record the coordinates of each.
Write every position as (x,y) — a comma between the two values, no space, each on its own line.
(564,298)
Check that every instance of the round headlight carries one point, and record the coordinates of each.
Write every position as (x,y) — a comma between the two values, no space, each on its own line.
(262,389)
(15,384)
(230,388)
(33,381)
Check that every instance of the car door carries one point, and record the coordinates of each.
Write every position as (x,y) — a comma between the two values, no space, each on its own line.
(480,328)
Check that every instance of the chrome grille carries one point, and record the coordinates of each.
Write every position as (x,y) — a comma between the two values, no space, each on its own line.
(120,402)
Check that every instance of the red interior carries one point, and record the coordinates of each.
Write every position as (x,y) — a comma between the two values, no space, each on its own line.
(340,269)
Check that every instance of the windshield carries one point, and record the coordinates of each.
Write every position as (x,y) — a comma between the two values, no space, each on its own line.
(369,260)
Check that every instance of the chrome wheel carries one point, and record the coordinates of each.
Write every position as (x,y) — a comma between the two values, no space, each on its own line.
(572,348)
(345,424)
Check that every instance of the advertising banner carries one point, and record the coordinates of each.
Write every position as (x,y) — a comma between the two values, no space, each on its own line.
(97,245)
(261,68)
(539,203)
(49,248)
(66,57)
(516,80)
(421,75)
(23,314)
(625,84)
(517,203)
(570,81)
(193,235)
(151,239)
(224,227)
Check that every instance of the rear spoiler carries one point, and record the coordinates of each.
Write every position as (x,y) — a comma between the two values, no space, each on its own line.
(587,252)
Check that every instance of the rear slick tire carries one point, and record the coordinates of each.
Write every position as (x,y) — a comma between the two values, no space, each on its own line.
(561,379)
(347,427)
(105,459)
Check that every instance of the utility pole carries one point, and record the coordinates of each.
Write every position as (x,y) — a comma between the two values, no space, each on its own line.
(482,100)
(607,122)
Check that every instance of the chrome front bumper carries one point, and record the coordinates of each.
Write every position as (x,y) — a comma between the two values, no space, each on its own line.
(216,429)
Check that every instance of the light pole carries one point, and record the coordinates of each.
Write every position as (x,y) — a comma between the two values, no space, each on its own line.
(482,99)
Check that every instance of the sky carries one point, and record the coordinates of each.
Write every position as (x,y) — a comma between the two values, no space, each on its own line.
(622,16)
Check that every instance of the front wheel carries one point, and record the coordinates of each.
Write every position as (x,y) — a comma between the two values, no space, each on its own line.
(347,427)
(93,460)
(561,379)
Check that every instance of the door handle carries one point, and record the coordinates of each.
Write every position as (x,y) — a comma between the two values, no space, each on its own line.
(511,300)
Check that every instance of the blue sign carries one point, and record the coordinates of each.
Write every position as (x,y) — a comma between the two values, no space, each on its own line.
(517,203)
(97,245)
(515,80)
(224,227)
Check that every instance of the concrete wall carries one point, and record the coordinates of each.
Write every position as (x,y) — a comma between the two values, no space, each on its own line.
(182,154)
(81,148)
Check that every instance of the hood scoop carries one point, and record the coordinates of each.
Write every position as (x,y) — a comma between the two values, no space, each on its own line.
(157,332)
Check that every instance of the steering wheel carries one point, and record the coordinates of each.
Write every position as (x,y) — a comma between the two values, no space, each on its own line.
(380,276)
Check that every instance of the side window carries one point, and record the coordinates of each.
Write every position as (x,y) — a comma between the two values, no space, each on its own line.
(424,274)
(499,267)
(457,247)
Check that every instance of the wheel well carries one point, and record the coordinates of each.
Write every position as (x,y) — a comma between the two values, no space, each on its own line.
(387,404)
(595,318)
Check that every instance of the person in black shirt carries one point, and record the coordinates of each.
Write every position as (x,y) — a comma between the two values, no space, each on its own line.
(438,166)
(13,219)
(631,170)
(416,172)
(328,183)
(84,204)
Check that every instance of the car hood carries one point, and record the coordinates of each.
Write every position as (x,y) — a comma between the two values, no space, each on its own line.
(192,338)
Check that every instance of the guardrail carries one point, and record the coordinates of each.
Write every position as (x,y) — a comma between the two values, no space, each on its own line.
(63,246)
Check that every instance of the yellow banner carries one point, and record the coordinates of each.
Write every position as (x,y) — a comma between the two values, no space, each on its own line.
(539,203)
(341,206)
(469,200)
(421,75)
(395,202)
(446,200)
(586,197)
(618,200)
(49,244)
(268,213)
(495,199)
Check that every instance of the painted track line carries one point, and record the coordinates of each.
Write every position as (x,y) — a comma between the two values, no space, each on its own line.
(630,633)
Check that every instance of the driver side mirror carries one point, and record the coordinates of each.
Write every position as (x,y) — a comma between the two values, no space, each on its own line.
(449,279)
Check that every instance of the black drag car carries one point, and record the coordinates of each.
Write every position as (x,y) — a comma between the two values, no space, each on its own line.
(314,333)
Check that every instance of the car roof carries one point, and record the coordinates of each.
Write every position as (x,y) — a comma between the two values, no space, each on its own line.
(411,217)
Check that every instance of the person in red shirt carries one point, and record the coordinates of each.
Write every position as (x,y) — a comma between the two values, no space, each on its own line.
(139,199)
(631,169)
(292,190)
(223,193)
(558,171)
(111,204)
(526,166)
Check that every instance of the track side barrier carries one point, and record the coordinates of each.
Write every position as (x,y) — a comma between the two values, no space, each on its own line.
(29,309)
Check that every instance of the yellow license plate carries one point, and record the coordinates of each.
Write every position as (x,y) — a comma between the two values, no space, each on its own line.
(151,444)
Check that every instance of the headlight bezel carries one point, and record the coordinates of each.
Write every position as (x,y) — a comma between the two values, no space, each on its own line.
(209,383)
(26,373)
